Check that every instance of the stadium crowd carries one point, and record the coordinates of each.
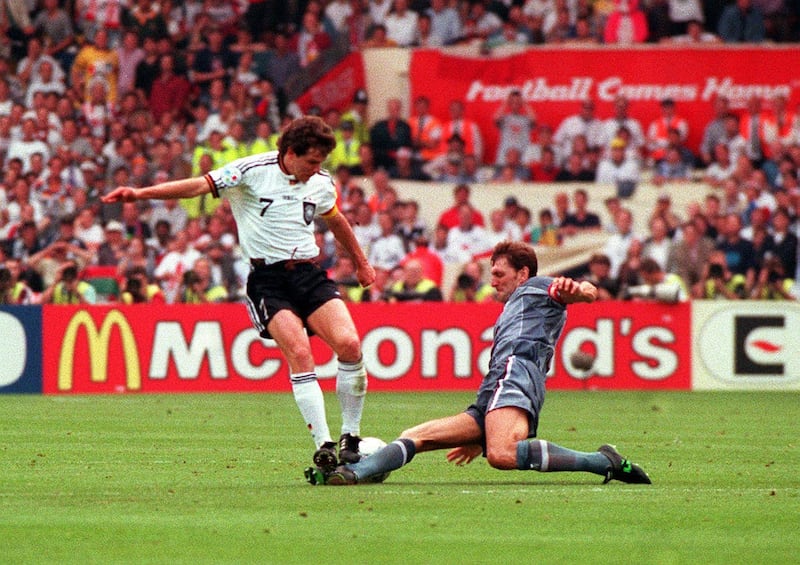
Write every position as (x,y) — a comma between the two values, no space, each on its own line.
(102,93)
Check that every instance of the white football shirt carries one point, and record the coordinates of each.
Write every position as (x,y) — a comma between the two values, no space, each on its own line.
(274,213)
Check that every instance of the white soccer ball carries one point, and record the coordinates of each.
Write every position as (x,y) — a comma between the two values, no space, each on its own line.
(370,445)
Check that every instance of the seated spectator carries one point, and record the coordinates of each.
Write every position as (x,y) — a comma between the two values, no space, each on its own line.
(574,170)
(546,169)
(501,228)
(68,288)
(546,232)
(409,225)
(657,285)
(114,246)
(721,167)
(467,239)
(432,265)
(773,283)
(14,291)
(695,33)
(580,219)
(741,22)
(198,288)
(407,168)
(401,23)
(600,276)
(346,152)
(450,217)
(718,282)
(688,256)
(470,285)
(413,286)
(378,37)
(138,288)
(387,250)
(672,168)
(617,168)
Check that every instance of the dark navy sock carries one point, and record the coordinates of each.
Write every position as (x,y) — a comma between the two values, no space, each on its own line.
(393,456)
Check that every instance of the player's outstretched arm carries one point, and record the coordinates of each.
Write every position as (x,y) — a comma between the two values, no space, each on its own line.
(569,291)
(343,233)
(184,188)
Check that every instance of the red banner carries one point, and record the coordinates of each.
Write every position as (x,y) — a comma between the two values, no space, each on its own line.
(554,81)
(406,347)
(338,87)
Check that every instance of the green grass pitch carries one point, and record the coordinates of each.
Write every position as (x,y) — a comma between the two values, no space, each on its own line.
(219,479)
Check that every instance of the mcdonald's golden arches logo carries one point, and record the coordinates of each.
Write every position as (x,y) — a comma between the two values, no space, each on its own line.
(98,350)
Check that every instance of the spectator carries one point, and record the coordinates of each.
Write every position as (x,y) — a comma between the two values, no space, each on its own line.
(658,139)
(585,124)
(515,120)
(718,282)
(657,284)
(580,219)
(627,24)
(14,291)
(600,276)
(212,62)
(466,129)
(672,168)
(695,34)
(390,134)
(616,247)
(546,232)
(401,23)
(432,265)
(466,239)
(739,253)
(384,194)
(26,145)
(378,10)
(445,23)
(574,170)
(426,130)
(470,285)
(144,17)
(688,256)
(450,217)
(622,120)
(96,63)
(198,288)
(413,286)
(387,250)
(409,225)
(357,114)
(617,168)
(283,61)
(546,169)
(501,228)
(407,168)
(741,22)
(55,27)
(773,283)
(785,241)
(139,289)
(29,68)
(346,152)
(169,94)
(69,289)
(715,131)
(481,23)
(378,38)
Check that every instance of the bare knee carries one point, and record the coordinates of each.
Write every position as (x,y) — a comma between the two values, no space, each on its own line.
(299,358)
(347,348)
(502,457)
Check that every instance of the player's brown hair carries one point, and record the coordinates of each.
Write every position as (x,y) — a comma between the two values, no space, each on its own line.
(518,254)
(306,133)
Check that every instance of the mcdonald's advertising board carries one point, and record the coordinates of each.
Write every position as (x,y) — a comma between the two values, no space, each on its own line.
(20,349)
(183,348)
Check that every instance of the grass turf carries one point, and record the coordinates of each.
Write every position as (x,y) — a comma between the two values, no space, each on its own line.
(218,479)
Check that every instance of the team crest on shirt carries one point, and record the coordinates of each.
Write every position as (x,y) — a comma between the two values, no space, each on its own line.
(308,211)
(230,176)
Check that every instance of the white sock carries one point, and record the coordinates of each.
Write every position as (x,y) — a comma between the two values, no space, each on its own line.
(308,396)
(351,388)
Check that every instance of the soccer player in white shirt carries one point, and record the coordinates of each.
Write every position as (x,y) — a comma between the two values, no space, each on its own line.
(275,197)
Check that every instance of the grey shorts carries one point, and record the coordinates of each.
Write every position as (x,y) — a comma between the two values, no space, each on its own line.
(520,384)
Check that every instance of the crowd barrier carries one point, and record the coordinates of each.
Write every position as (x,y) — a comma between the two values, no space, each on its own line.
(58,350)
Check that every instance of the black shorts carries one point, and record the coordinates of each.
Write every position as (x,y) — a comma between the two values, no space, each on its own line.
(301,288)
